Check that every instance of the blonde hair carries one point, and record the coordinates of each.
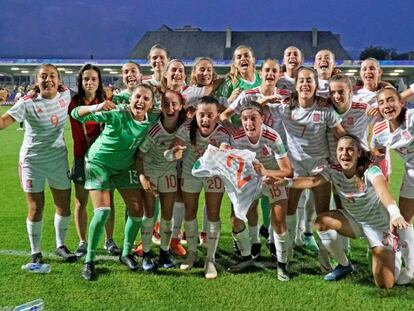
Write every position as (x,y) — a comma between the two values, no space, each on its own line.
(193,78)
(234,72)
(164,78)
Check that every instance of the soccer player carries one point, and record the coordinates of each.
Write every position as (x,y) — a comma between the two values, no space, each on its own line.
(306,119)
(292,59)
(43,156)
(242,75)
(324,65)
(363,192)
(157,175)
(195,135)
(158,58)
(111,160)
(396,132)
(272,160)
(84,134)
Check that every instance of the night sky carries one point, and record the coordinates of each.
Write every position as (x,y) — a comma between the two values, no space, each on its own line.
(110,29)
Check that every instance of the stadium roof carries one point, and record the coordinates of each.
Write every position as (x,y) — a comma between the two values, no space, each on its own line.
(188,43)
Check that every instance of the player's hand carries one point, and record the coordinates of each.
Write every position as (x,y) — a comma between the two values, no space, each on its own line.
(272,99)
(4,94)
(259,168)
(147,185)
(399,223)
(175,153)
(230,127)
(280,182)
(234,94)
(106,106)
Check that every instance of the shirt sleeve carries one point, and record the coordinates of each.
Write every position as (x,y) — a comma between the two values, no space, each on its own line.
(372,172)
(100,116)
(238,103)
(279,149)
(332,118)
(147,144)
(18,111)
(182,132)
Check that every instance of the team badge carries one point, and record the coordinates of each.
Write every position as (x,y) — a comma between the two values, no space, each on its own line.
(316,117)
(62,103)
(350,121)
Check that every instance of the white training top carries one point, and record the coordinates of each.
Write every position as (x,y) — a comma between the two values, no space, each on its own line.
(401,140)
(323,88)
(192,94)
(306,128)
(268,149)
(45,121)
(269,119)
(192,153)
(358,197)
(286,83)
(157,141)
(366,96)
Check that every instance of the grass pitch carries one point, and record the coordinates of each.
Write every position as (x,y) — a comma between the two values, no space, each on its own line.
(120,289)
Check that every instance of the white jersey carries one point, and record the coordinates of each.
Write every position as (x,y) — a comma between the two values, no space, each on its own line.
(306,128)
(235,167)
(355,121)
(192,94)
(323,88)
(151,80)
(366,96)
(286,83)
(358,196)
(157,141)
(192,153)
(268,149)
(45,121)
(401,140)
(268,118)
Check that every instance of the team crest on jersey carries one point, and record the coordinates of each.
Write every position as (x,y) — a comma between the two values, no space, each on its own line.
(265,151)
(316,117)
(39,110)
(406,135)
(29,184)
(62,103)
(350,121)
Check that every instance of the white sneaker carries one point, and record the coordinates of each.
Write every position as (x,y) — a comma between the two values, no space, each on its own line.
(189,261)
(210,271)
(405,277)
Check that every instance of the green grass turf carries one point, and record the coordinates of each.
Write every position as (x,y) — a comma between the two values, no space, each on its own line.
(120,289)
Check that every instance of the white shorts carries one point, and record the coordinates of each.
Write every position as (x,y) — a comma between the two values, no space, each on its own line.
(165,182)
(309,167)
(33,176)
(377,237)
(274,193)
(192,184)
(407,187)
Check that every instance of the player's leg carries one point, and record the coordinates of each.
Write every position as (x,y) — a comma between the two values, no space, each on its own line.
(146,230)
(110,244)
(167,200)
(383,267)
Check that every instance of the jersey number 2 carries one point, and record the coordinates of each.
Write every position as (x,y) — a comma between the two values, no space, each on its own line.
(240,181)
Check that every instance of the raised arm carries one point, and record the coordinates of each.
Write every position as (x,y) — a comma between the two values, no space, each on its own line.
(5,121)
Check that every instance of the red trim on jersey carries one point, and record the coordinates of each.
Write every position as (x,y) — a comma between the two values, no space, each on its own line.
(26,97)
(239,134)
(362,106)
(269,135)
(336,167)
(145,78)
(154,130)
(253,91)
(223,130)
(380,127)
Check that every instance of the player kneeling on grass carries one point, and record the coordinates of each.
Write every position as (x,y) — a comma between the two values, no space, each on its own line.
(43,155)
(362,190)
(111,160)
(272,161)
(157,174)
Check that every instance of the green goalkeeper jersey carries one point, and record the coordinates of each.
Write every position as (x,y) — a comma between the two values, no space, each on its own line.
(116,146)
(122,98)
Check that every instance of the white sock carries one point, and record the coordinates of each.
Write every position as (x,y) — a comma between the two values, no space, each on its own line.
(291,231)
(407,247)
(281,243)
(243,241)
(34,231)
(300,212)
(61,227)
(146,233)
(165,233)
(204,228)
(271,238)
(178,216)
(191,233)
(329,239)
(213,236)
(254,234)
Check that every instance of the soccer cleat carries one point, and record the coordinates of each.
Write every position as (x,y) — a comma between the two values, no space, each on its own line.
(210,271)
(189,261)
(176,248)
(88,271)
(282,272)
(37,258)
(405,277)
(255,250)
(264,232)
(165,260)
(139,250)
(339,272)
(148,264)
(112,248)
(236,250)
(82,249)
(310,244)
(203,239)
(65,254)
(129,261)
(156,238)
(246,263)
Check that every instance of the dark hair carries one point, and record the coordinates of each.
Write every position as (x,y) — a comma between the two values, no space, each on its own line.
(401,117)
(365,160)
(134,63)
(294,101)
(100,95)
(181,116)
(47,65)
(254,105)
(206,100)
